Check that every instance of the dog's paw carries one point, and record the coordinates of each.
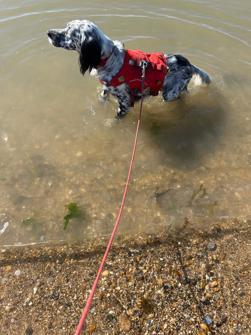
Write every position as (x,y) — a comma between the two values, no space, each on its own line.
(102,100)
(104,95)
(120,115)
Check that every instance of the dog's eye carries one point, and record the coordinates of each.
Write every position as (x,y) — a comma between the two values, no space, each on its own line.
(75,34)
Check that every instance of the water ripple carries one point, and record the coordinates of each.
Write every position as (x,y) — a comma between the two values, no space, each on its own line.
(202,25)
(245,62)
(226,23)
(65,10)
(51,11)
(137,37)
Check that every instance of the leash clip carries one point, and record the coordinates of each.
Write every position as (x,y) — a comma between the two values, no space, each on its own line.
(143,66)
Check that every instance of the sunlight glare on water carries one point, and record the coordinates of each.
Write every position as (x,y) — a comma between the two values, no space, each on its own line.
(59,144)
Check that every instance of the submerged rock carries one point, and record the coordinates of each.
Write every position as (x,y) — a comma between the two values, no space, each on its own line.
(29,330)
(211,246)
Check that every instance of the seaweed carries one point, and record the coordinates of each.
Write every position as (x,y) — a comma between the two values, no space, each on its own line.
(201,192)
(73,212)
(28,221)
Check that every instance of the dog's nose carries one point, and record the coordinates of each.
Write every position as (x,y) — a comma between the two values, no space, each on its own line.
(53,33)
(50,33)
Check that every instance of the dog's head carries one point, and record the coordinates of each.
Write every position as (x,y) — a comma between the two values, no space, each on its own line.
(84,37)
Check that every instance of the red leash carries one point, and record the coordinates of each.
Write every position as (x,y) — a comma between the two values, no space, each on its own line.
(115,228)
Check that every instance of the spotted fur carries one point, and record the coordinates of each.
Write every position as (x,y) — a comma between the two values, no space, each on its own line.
(104,58)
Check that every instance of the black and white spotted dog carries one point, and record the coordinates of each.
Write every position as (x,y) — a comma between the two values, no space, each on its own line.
(104,58)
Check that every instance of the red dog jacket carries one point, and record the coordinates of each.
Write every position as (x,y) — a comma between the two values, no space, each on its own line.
(131,72)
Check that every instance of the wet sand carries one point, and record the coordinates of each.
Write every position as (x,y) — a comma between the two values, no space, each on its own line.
(188,281)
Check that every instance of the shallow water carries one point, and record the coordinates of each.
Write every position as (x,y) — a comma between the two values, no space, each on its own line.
(58,144)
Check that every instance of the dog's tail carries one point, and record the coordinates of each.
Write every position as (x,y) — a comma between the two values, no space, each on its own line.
(202,75)
(178,61)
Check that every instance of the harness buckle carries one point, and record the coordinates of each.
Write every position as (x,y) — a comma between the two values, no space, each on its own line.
(143,65)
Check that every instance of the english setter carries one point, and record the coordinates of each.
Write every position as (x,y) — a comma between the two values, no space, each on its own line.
(119,70)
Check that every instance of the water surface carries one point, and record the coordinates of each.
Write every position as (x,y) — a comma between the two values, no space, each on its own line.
(58,144)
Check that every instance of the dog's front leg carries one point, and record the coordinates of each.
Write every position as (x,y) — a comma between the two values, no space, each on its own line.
(124,100)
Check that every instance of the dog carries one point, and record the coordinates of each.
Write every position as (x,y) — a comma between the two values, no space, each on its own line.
(120,70)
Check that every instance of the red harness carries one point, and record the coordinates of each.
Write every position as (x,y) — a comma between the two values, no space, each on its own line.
(130,73)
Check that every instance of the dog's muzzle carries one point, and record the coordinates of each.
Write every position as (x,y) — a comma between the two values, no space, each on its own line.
(55,37)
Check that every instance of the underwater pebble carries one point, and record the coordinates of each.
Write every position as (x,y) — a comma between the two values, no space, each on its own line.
(211,246)
(237,195)
(17,273)
(213,284)
(91,328)
(109,122)
(8,308)
(205,301)
(208,320)
(204,327)
(111,316)
(105,273)
(3,227)
(149,323)
(124,323)
(222,321)
(3,136)
(29,330)
(4,223)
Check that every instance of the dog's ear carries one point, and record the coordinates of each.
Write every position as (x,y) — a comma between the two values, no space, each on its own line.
(90,54)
